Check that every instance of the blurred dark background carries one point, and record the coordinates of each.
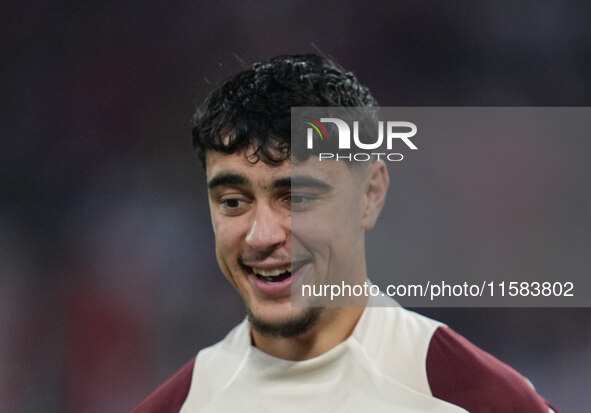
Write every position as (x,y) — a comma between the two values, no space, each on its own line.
(108,281)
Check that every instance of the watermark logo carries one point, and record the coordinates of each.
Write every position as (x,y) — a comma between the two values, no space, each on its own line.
(387,131)
(316,125)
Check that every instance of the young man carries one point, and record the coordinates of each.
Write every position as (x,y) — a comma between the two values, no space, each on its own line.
(284,358)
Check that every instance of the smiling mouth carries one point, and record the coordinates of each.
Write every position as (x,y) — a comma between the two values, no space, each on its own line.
(273,275)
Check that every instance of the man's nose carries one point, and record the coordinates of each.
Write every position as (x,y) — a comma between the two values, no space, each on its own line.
(268,229)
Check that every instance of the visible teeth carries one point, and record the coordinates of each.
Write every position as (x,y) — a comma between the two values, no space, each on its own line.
(271,272)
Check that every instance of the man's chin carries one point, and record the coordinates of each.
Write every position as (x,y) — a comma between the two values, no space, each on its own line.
(293,326)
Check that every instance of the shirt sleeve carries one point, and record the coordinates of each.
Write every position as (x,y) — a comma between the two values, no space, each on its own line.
(467,376)
(170,396)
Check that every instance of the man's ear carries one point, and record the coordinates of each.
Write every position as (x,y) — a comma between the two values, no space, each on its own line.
(375,188)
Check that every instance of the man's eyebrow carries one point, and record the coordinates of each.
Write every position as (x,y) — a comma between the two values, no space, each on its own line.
(227,179)
(302,181)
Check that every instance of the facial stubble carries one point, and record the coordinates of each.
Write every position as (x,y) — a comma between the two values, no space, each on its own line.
(286,329)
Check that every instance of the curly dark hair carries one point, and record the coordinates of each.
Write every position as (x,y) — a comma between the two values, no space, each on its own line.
(251,110)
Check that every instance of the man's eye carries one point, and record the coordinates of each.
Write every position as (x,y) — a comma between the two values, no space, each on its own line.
(296,201)
(231,203)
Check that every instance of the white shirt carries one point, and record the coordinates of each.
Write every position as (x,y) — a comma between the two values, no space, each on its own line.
(379,368)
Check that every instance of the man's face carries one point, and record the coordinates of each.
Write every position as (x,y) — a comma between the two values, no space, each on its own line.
(268,221)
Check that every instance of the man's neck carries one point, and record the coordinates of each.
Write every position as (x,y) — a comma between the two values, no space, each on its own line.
(334,326)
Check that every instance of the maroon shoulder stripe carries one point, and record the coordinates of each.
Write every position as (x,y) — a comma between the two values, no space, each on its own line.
(467,376)
(170,396)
